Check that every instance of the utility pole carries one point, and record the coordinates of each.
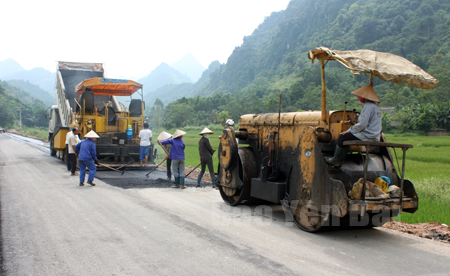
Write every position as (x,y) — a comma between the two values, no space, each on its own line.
(20,119)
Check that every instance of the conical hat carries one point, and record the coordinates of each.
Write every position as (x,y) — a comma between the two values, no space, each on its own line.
(206,131)
(178,133)
(367,93)
(164,136)
(91,134)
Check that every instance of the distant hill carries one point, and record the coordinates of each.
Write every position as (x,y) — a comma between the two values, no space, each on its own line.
(274,57)
(163,75)
(33,90)
(190,67)
(11,70)
(26,92)
(13,100)
(9,67)
(39,76)
(171,92)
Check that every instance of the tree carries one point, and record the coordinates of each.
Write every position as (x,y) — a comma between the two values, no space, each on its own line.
(156,113)
(223,117)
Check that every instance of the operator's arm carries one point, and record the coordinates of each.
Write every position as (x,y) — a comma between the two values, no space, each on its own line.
(363,120)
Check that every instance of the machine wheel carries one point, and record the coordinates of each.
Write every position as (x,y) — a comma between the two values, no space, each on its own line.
(248,169)
(307,218)
(52,150)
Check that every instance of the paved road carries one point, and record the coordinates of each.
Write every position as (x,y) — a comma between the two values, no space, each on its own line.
(51,226)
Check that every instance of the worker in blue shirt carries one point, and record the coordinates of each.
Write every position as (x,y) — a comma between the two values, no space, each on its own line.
(177,156)
(86,151)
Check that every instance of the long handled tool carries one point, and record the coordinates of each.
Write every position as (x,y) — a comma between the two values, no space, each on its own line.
(164,148)
(125,165)
(155,167)
(197,166)
(193,170)
(111,168)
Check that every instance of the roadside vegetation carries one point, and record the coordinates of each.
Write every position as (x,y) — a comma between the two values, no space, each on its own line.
(38,132)
(428,167)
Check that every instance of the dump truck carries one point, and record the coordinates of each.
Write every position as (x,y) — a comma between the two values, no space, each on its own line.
(87,99)
(280,157)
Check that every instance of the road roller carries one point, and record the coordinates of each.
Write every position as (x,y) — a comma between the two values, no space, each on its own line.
(279,158)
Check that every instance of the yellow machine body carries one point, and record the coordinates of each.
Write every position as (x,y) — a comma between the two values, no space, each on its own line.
(280,158)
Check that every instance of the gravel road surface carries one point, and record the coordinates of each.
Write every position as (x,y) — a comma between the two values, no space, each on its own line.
(52,226)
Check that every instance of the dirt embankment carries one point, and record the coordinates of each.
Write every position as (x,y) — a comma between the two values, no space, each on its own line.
(429,230)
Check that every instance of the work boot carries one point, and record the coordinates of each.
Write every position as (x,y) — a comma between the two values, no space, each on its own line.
(182,182)
(177,183)
(213,181)
(81,184)
(339,156)
(199,178)
(91,183)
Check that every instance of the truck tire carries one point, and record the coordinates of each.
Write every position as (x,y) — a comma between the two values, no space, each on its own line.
(52,150)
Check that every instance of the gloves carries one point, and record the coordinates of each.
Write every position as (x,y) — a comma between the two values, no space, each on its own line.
(96,162)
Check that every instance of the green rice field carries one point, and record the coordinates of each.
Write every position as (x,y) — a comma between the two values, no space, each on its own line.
(428,167)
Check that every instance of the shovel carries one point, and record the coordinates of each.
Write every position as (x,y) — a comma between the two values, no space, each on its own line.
(123,171)
(196,167)
(111,168)
(193,169)
(164,148)
(155,167)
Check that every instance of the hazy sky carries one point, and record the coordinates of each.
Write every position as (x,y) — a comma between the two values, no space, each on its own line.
(130,37)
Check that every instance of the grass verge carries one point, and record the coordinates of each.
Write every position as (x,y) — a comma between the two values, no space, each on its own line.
(428,167)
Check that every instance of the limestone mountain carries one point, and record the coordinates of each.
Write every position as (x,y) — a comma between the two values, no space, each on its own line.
(38,76)
(189,66)
(163,75)
(33,92)
(9,67)
(171,92)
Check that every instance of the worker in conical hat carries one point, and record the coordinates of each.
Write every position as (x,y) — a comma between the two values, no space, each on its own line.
(206,152)
(164,136)
(368,127)
(177,156)
(87,157)
(91,134)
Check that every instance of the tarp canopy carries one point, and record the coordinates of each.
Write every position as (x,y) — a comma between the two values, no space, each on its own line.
(110,87)
(386,66)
